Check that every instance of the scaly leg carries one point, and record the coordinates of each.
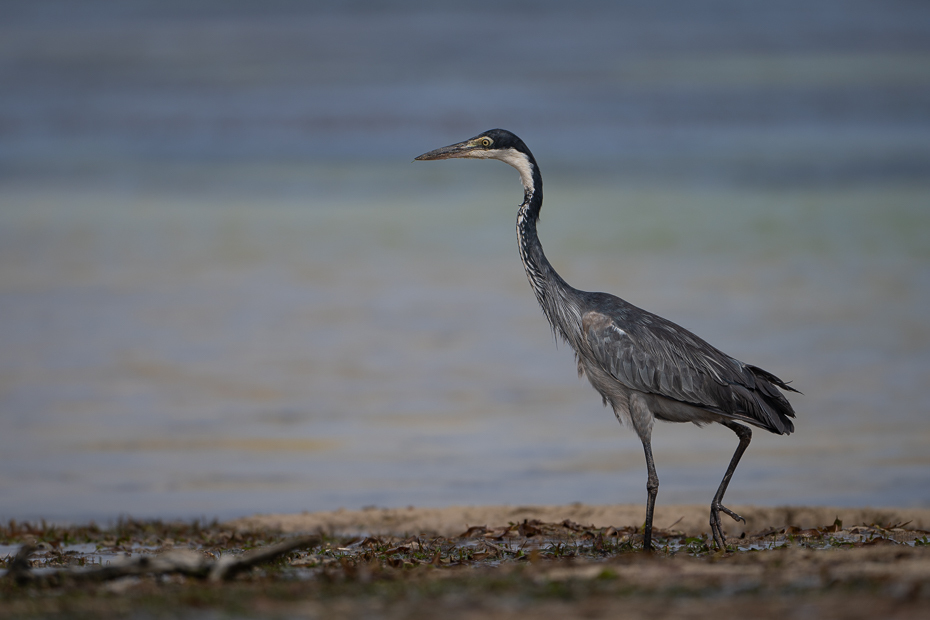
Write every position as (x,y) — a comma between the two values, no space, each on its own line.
(652,488)
(745,436)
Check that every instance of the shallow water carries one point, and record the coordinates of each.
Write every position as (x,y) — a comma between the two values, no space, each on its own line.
(224,289)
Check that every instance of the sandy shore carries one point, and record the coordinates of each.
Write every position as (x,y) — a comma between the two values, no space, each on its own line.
(690,519)
(418,566)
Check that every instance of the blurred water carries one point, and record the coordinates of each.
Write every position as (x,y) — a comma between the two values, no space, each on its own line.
(225,289)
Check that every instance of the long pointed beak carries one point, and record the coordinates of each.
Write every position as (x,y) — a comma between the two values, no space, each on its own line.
(453,150)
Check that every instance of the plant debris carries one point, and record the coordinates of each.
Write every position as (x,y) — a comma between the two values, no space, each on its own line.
(173,566)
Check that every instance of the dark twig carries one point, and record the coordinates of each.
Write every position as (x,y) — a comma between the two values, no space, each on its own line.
(179,561)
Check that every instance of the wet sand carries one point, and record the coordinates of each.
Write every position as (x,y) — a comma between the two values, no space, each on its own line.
(690,519)
(574,561)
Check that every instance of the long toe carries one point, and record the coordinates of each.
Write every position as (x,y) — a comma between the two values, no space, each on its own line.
(735,516)
(716,530)
(717,527)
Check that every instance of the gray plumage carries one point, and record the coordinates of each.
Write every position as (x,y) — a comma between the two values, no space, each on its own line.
(649,354)
(644,366)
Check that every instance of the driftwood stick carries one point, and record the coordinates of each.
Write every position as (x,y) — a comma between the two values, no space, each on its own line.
(19,570)
(227,566)
(177,561)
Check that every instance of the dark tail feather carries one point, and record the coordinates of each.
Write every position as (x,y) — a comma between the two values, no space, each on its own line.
(764,374)
(766,390)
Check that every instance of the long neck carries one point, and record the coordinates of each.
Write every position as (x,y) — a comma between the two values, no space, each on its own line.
(559,301)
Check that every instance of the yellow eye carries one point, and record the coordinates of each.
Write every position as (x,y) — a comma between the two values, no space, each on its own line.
(485,142)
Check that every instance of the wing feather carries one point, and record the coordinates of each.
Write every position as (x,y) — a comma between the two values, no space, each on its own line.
(647,353)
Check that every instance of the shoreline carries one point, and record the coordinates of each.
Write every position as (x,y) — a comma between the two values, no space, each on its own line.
(497,562)
(690,519)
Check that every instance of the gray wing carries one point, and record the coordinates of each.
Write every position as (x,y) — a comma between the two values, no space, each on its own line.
(647,353)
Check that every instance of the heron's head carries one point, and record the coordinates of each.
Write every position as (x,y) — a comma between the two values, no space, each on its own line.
(493,144)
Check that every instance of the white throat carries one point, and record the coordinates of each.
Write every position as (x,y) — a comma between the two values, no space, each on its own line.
(522,163)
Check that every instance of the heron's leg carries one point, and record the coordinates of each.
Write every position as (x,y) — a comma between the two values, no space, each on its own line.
(643,421)
(745,436)
(652,488)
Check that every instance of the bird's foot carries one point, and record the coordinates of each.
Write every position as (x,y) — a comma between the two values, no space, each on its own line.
(647,539)
(735,516)
(715,527)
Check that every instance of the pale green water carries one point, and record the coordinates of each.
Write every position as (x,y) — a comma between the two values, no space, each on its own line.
(225,289)
(183,357)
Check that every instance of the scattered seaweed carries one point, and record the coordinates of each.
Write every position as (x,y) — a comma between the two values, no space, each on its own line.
(159,566)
